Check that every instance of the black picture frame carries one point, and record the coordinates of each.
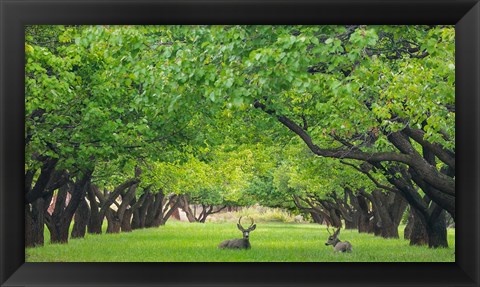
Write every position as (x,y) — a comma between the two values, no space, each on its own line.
(465,14)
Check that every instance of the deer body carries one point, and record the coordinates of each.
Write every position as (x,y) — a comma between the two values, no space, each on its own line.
(338,246)
(242,243)
(235,244)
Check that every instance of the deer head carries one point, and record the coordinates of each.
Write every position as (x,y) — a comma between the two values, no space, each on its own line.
(243,243)
(333,238)
(338,246)
(246,232)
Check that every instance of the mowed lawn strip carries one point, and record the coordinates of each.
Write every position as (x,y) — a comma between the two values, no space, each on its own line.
(271,242)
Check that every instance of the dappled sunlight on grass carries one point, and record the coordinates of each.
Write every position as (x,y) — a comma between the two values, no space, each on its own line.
(271,242)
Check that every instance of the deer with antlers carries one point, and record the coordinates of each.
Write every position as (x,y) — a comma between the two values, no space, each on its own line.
(243,243)
(338,246)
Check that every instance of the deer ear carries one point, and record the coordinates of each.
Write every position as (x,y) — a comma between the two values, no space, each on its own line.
(253,227)
(240,227)
(337,232)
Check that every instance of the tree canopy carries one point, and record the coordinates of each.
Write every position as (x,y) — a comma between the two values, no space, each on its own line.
(236,115)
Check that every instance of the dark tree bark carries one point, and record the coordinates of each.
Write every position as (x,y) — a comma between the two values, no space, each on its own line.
(409,226)
(388,208)
(436,227)
(115,217)
(400,178)
(443,192)
(333,212)
(418,235)
(176,212)
(445,155)
(126,221)
(35,222)
(322,216)
(208,210)
(444,199)
(38,198)
(185,206)
(120,219)
(426,214)
(45,177)
(160,208)
(201,217)
(317,218)
(416,232)
(113,222)
(143,211)
(81,218)
(96,220)
(347,210)
(59,222)
(364,215)
(136,208)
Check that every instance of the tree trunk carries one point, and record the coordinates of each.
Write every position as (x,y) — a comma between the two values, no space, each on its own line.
(34,223)
(81,218)
(185,206)
(95,221)
(136,207)
(114,223)
(363,217)
(437,228)
(375,225)
(348,210)
(389,208)
(114,217)
(38,199)
(418,234)
(126,225)
(408,228)
(59,222)
(136,219)
(317,218)
(29,228)
(60,233)
(350,224)
(143,211)
(58,230)
(333,213)
(153,209)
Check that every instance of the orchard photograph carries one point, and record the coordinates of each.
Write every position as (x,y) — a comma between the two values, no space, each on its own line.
(239,143)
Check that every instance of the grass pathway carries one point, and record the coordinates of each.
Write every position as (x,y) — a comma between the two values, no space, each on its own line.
(271,242)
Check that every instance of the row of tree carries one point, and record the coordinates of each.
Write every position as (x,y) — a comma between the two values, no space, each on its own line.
(129,123)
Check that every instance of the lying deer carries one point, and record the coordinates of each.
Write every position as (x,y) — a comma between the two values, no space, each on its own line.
(338,246)
(243,243)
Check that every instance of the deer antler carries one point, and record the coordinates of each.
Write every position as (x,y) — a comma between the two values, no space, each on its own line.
(338,231)
(328,230)
(240,222)
(251,219)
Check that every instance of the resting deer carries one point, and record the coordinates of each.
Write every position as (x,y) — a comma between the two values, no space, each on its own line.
(243,243)
(338,246)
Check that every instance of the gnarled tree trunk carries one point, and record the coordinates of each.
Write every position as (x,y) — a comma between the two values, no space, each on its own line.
(38,199)
(59,222)
(364,215)
(415,230)
(185,206)
(160,209)
(113,222)
(96,219)
(388,209)
(81,218)
(35,222)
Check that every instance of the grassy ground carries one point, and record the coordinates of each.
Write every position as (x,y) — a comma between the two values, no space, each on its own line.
(271,242)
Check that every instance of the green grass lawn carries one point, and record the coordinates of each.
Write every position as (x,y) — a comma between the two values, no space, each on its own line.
(271,242)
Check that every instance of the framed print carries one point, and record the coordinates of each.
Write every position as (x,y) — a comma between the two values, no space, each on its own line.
(239,143)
